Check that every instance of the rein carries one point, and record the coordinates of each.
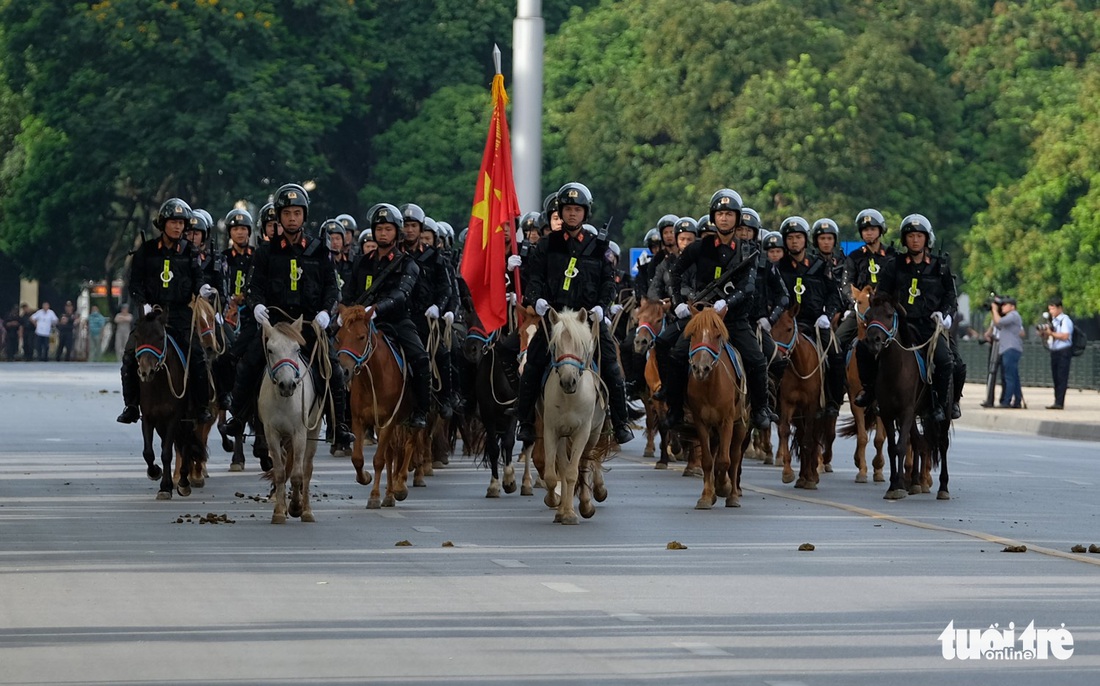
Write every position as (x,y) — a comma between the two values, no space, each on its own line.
(362,362)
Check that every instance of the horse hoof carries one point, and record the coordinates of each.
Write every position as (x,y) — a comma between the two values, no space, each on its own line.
(810,485)
(492,492)
(429,470)
(183,490)
(295,509)
(733,501)
(509,486)
(769,459)
(550,500)
(649,452)
(236,467)
(895,494)
(801,483)
(703,503)
(914,489)
(363,479)
(419,482)
(879,478)
(557,518)
(439,464)
(164,495)
(278,519)
(570,519)
(600,493)
(227,443)
(861,478)
(788,477)
(925,489)
(943,495)
(198,482)
(388,501)
(660,465)
(588,511)
(308,517)
(374,504)
(828,468)
(153,473)
(526,490)
(401,495)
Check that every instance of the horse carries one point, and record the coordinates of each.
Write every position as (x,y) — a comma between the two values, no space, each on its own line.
(495,395)
(290,408)
(379,400)
(164,403)
(213,344)
(651,313)
(861,297)
(903,394)
(718,407)
(573,413)
(800,400)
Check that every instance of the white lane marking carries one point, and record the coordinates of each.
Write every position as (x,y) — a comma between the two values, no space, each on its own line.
(390,514)
(704,649)
(509,564)
(784,683)
(1077,483)
(427,529)
(562,587)
(630,617)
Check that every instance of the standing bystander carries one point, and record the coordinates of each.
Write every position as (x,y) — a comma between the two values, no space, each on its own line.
(1058,335)
(12,329)
(1010,330)
(66,330)
(29,339)
(123,322)
(96,322)
(44,321)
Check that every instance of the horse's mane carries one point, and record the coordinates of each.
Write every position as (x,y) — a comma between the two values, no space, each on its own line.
(569,326)
(904,334)
(707,318)
(287,329)
(354,314)
(203,305)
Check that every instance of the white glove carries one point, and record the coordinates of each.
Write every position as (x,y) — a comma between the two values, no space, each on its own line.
(822,322)
(207,291)
(449,317)
(339,320)
(597,311)
(764,324)
(511,297)
(941,318)
(514,262)
(616,309)
(683,311)
(606,321)
(720,306)
(218,318)
(322,319)
(541,307)
(432,312)
(146,309)
(847,313)
(260,313)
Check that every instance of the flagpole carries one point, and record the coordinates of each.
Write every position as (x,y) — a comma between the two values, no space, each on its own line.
(511,227)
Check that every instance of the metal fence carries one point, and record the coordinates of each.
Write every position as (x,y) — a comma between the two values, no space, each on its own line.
(1084,371)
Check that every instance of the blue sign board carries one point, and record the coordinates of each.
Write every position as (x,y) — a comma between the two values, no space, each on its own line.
(636,253)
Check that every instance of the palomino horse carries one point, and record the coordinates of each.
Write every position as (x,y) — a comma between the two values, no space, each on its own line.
(379,400)
(650,315)
(800,400)
(903,393)
(717,404)
(573,414)
(862,300)
(290,409)
(164,404)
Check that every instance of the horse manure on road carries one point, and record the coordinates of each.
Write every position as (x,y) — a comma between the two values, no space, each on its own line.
(208,518)
(675,545)
(402,544)
(806,547)
(448,544)
(1094,548)
(1078,549)
(1015,549)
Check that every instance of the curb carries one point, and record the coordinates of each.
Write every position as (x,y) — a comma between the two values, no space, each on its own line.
(1075,431)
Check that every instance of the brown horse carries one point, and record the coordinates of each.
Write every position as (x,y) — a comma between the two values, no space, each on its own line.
(379,400)
(800,400)
(649,316)
(862,301)
(213,344)
(718,407)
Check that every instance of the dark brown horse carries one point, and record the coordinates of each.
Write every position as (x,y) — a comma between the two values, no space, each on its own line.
(164,404)
(800,400)
(903,395)
(650,317)
(861,299)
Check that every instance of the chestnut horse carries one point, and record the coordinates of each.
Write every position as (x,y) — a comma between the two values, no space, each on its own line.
(862,300)
(379,400)
(650,316)
(800,400)
(718,407)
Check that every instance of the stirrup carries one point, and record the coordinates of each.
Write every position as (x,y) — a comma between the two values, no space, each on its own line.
(761,419)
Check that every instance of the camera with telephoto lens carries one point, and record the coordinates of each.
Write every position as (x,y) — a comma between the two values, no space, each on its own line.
(1044,324)
(993,299)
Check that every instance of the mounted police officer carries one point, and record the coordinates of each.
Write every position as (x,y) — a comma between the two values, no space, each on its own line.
(713,260)
(267,223)
(863,267)
(924,287)
(351,230)
(210,263)
(385,280)
(432,298)
(810,282)
(570,268)
(292,273)
(647,263)
(237,259)
(333,231)
(750,228)
(685,230)
(770,299)
(165,273)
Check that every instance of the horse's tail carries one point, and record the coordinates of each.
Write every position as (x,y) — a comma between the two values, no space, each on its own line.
(846,428)
(806,429)
(939,440)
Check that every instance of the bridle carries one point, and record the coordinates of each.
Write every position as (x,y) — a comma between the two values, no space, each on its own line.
(361,359)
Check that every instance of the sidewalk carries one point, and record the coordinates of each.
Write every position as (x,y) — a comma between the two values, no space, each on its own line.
(1079,421)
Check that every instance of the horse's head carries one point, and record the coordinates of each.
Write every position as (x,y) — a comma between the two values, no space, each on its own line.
(708,335)
(354,340)
(882,323)
(650,316)
(206,325)
(572,343)
(150,344)
(477,343)
(861,299)
(785,330)
(283,343)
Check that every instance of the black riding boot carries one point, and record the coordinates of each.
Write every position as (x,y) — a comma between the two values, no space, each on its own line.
(959,380)
(342,438)
(525,407)
(941,393)
(222,371)
(446,390)
(616,400)
(249,370)
(835,378)
(868,371)
(422,397)
(199,385)
(131,389)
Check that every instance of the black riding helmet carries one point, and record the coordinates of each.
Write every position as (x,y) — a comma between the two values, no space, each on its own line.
(385,213)
(172,208)
(238,218)
(574,193)
(795,225)
(531,221)
(751,219)
(267,214)
(686,225)
(919,223)
(348,222)
(412,212)
(825,226)
(871,217)
(292,195)
(772,239)
(200,221)
(725,199)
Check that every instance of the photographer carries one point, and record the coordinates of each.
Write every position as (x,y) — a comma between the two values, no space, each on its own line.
(1058,336)
(1010,329)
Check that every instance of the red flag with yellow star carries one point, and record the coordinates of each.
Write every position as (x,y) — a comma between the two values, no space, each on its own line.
(495,208)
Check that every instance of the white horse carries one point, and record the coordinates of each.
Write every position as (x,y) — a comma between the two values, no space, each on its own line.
(572,415)
(291,421)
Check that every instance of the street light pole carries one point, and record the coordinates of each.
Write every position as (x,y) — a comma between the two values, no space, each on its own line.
(528,31)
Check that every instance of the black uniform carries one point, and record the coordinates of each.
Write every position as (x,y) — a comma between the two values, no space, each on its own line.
(770,300)
(861,269)
(811,285)
(237,265)
(167,277)
(710,258)
(922,285)
(434,286)
(590,282)
(388,283)
(342,263)
(660,285)
(298,279)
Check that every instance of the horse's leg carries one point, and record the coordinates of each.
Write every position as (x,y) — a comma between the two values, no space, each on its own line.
(493,440)
(879,462)
(650,430)
(723,485)
(942,444)
(828,435)
(899,448)
(783,452)
(167,450)
(551,448)
(525,455)
(765,436)
(569,469)
(809,449)
(307,476)
(152,469)
(860,455)
(507,445)
(737,457)
(584,484)
(375,501)
(414,446)
(277,451)
(295,458)
(360,430)
(708,497)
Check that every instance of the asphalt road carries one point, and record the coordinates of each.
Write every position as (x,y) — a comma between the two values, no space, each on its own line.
(100,584)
